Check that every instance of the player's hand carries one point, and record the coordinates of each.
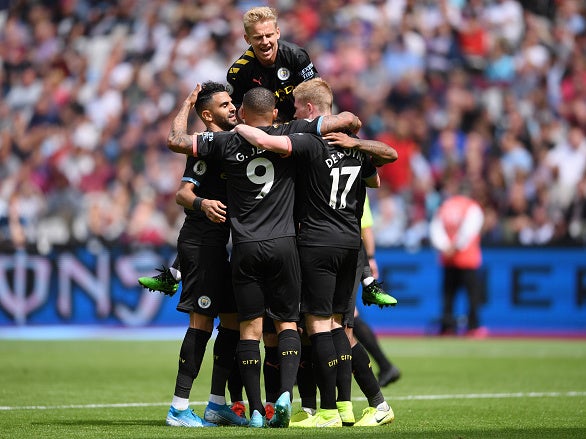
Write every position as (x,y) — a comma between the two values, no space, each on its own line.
(192,98)
(341,139)
(214,210)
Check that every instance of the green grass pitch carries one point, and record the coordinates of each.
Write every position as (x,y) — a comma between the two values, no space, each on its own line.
(450,388)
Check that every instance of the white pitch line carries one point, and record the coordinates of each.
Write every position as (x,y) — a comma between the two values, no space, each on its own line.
(396,398)
(487,396)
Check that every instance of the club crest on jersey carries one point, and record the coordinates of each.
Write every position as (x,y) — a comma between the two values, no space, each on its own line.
(204,302)
(283,73)
(200,167)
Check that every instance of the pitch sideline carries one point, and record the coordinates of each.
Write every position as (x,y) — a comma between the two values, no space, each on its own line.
(396,398)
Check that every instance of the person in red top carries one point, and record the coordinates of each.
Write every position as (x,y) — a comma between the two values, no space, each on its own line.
(473,38)
(455,232)
(399,179)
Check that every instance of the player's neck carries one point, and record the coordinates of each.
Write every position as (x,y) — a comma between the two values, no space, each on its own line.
(258,121)
(316,114)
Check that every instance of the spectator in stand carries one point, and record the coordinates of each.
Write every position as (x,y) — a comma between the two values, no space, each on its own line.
(447,151)
(473,40)
(539,229)
(567,160)
(505,20)
(147,224)
(400,177)
(517,213)
(500,67)
(516,161)
(576,214)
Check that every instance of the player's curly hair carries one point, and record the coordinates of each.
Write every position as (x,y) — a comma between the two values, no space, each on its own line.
(257,15)
(208,89)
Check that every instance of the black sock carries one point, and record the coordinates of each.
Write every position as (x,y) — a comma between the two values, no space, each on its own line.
(191,356)
(366,337)
(224,354)
(325,363)
(306,379)
(235,383)
(271,373)
(366,271)
(364,376)
(248,354)
(290,356)
(344,374)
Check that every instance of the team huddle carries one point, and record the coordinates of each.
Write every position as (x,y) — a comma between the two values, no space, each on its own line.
(286,180)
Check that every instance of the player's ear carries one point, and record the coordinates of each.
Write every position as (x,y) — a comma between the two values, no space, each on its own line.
(206,115)
(278,33)
(240,112)
(247,39)
(275,113)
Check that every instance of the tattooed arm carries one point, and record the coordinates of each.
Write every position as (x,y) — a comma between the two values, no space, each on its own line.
(179,140)
(345,121)
(380,152)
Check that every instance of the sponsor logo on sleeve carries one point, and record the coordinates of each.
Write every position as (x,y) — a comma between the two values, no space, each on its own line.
(307,72)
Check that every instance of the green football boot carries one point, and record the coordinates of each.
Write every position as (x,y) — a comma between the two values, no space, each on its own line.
(374,417)
(163,282)
(346,412)
(373,294)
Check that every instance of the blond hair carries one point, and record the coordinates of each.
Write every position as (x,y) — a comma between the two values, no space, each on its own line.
(317,92)
(257,15)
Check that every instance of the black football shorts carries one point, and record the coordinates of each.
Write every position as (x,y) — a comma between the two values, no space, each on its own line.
(267,279)
(328,279)
(206,280)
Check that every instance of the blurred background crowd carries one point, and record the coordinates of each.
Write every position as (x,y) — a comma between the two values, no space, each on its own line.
(485,97)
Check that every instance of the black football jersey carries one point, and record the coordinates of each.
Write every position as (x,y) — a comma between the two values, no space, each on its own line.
(297,126)
(210,183)
(329,191)
(260,186)
(292,67)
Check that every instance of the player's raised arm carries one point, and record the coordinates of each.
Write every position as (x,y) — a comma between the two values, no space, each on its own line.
(260,139)
(179,140)
(380,152)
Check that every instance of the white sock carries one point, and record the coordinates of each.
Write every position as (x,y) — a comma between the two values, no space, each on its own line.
(383,406)
(180,403)
(176,273)
(367,281)
(217,399)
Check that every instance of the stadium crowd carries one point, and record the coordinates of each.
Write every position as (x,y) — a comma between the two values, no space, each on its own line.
(486,97)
